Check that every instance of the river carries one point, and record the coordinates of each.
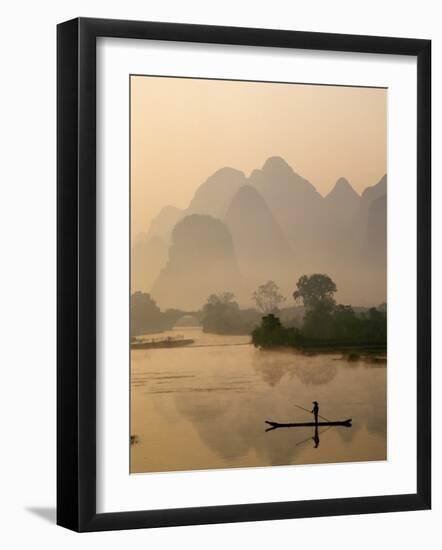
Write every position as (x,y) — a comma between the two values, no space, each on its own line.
(205,405)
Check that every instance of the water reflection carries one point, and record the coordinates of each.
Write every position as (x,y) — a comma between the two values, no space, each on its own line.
(199,408)
(274,365)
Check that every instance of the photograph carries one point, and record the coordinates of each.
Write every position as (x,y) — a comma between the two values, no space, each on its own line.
(229,334)
(258,292)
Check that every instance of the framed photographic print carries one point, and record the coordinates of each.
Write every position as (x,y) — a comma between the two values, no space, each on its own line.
(243,274)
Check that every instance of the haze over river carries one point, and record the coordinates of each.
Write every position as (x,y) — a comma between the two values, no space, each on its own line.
(205,405)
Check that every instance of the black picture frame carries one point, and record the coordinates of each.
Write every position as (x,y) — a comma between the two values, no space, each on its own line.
(76,273)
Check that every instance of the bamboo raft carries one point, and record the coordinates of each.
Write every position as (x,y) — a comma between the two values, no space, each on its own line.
(345,423)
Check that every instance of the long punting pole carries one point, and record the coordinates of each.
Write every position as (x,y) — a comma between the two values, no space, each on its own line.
(306,410)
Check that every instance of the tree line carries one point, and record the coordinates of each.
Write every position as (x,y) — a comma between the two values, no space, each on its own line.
(221,314)
(325,323)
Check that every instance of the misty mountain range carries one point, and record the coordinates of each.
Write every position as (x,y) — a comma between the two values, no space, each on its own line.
(239,232)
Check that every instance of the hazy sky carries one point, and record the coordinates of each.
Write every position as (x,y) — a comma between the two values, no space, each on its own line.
(183,130)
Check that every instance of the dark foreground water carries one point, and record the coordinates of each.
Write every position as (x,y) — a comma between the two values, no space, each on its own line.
(204,406)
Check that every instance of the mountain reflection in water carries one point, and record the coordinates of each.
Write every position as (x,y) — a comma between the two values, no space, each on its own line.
(204,407)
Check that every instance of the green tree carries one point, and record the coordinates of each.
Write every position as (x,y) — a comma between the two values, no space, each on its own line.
(222,299)
(268,298)
(145,314)
(220,313)
(318,323)
(317,294)
(315,290)
(374,325)
(272,333)
(346,324)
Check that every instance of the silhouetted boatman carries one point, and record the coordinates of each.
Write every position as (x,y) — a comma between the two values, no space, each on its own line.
(315,411)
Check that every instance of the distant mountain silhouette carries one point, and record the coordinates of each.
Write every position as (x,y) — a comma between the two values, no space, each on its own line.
(342,201)
(149,256)
(376,235)
(375,191)
(360,219)
(201,262)
(293,201)
(214,196)
(162,226)
(340,207)
(261,248)
(374,247)
(239,232)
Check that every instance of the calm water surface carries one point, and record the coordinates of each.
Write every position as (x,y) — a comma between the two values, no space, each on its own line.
(204,406)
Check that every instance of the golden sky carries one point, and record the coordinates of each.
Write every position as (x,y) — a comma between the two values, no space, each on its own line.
(183,130)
